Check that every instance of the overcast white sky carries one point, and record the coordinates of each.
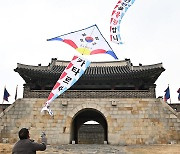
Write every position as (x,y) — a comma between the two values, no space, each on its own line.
(150,30)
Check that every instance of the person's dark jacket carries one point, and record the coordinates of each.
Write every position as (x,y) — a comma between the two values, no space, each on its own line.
(27,146)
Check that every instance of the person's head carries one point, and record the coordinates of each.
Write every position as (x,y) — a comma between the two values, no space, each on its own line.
(24,133)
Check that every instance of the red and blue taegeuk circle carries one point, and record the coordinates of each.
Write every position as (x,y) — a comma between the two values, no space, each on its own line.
(89,39)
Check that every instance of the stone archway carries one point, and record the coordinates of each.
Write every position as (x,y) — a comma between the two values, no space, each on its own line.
(89,134)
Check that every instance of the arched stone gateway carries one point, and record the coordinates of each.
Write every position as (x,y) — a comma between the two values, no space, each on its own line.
(89,134)
(119,96)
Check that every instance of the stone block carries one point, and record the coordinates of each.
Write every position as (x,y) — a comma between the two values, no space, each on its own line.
(113,103)
(134,112)
(172,116)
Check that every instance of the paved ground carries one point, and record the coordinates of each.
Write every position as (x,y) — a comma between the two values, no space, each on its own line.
(103,149)
(86,149)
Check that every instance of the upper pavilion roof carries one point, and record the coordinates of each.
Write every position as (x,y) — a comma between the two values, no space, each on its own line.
(101,73)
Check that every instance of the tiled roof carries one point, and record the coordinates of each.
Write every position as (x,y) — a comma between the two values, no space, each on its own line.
(117,70)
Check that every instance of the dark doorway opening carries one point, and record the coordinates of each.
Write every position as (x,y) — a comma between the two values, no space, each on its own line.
(93,132)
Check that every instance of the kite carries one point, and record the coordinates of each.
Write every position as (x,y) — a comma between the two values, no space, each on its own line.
(88,41)
(179,94)
(69,76)
(116,17)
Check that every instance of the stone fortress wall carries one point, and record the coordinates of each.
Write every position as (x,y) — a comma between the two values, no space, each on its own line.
(129,120)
